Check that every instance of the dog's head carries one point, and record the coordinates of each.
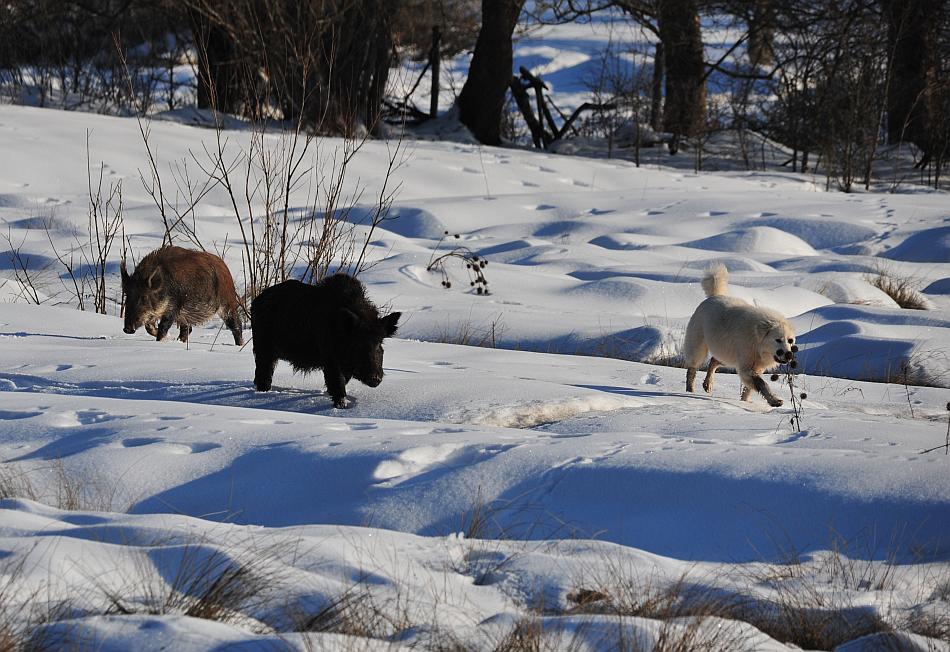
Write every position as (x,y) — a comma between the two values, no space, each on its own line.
(778,338)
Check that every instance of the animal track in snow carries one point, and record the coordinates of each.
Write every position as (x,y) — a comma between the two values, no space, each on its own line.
(264,422)
(173,447)
(72,419)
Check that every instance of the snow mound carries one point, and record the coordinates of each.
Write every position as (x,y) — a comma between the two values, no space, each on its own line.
(413,223)
(630,241)
(850,290)
(940,286)
(732,263)
(755,240)
(613,289)
(927,246)
(820,234)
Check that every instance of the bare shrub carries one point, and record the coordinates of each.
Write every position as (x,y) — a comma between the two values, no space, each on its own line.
(902,289)
(198,580)
(469,333)
(27,274)
(278,238)
(359,611)
(63,489)
(812,604)
(86,262)
(14,483)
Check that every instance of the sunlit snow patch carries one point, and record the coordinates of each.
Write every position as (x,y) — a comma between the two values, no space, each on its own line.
(536,413)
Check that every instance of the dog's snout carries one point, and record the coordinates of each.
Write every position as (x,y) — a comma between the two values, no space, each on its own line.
(794,349)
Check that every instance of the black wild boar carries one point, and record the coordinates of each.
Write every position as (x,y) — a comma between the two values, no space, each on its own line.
(175,285)
(330,325)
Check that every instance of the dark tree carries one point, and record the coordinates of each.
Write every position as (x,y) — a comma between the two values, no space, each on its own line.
(219,82)
(685,108)
(915,87)
(482,99)
(323,63)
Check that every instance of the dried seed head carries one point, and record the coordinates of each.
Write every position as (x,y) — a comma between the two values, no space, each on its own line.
(468,266)
(456,236)
(446,233)
(803,396)
(479,290)
(448,284)
(472,283)
(793,363)
(774,377)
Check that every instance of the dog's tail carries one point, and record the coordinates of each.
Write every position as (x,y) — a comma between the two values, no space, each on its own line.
(715,281)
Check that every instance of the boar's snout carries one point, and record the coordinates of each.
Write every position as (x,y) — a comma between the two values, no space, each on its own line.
(375,380)
(128,329)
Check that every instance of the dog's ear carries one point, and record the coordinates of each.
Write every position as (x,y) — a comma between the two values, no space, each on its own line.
(763,328)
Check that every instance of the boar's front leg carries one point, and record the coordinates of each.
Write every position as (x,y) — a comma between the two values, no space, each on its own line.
(336,386)
(163,325)
(184,330)
(265,361)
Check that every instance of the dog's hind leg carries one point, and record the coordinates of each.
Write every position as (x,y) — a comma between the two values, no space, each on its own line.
(691,379)
(744,394)
(750,379)
(694,353)
(709,382)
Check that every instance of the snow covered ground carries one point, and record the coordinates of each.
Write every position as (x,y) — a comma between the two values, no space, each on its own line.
(482,494)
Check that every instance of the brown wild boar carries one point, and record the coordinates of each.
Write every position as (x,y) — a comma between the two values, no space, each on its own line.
(331,325)
(183,286)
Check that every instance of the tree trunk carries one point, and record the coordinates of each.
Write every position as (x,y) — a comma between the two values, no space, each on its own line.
(913,41)
(218,76)
(684,113)
(656,99)
(435,61)
(483,96)
(761,33)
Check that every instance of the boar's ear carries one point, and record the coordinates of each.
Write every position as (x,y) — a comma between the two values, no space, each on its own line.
(389,322)
(155,279)
(125,274)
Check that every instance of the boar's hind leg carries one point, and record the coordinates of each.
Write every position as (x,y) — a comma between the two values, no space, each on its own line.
(264,363)
(336,386)
(233,322)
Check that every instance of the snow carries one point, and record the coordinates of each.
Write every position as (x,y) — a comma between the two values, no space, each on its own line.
(564,436)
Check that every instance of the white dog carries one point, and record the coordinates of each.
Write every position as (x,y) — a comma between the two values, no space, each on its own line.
(736,334)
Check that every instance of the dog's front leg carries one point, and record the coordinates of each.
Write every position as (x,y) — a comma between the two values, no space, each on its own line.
(754,380)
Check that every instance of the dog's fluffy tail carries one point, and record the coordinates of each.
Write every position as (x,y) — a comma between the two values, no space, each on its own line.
(715,281)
